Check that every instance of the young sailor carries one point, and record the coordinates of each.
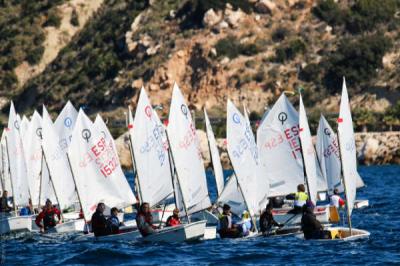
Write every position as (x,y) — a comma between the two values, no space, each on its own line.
(99,222)
(311,227)
(336,200)
(245,223)
(4,207)
(300,198)
(144,220)
(267,220)
(27,210)
(174,220)
(48,215)
(226,227)
(113,221)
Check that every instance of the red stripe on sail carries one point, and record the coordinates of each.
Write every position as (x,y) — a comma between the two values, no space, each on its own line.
(340,120)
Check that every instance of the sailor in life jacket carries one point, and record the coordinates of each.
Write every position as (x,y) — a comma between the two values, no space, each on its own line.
(174,220)
(48,215)
(336,200)
(226,227)
(300,198)
(144,220)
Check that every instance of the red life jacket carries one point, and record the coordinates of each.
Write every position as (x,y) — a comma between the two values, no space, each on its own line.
(172,221)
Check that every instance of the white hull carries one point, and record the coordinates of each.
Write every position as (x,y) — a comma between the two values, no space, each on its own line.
(343,234)
(358,204)
(210,233)
(128,233)
(282,216)
(12,224)
(181,233)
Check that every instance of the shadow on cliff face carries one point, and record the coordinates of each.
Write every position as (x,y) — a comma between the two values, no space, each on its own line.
(192,12)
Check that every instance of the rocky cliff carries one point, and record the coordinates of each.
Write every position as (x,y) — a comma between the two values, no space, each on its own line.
(99,53)
(372,148)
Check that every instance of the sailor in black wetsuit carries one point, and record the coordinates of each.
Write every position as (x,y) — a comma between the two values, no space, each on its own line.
(99,222)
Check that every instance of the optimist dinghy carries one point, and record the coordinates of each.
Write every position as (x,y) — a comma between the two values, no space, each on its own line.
(152,155)
(347,151)
(185,232)
(97,182)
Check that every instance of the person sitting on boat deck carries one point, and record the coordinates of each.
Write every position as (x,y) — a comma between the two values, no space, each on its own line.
(267,220)
(27,210)
(336,200)
(144,220)
(99,221)
(174,220)
(226,227)
(311,227)
(113,221)
(300,198)
(4,207)
(48,216)
(246,223)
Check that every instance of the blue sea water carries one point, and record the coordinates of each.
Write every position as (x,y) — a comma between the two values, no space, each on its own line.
(381,219)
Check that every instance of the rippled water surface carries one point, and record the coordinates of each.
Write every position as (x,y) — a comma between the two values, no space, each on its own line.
(381,219)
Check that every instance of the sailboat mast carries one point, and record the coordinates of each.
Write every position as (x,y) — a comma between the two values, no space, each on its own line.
(344,185)
(209,149)
(304,170)
(177,178)
(52,184)
(9,171)
(134,168)
(76,188)
(253,220)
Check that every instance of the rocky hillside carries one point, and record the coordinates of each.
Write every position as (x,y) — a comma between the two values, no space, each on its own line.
(99,53)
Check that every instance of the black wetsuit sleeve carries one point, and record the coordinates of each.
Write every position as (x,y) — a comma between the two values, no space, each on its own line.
(291,196)
(224,223)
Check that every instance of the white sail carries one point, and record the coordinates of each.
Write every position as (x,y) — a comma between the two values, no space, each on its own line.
(151,153)
(64,125)
(215,157)
(262,181)
(24,127)
(243,154)
(96,168)
(57,162)
(347,148)
(308,152)
(32,146)
(5,174)
(279,147)
(232,196)
(185,147)
(16,160)
(328,153)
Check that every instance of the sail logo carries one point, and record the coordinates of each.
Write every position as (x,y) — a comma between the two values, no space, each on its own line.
(327,132)
(86,134)
(68,122)
(282,116)
(147,111)
(39,132)
(236,118)
(184,110)
(16,124)
(350,145)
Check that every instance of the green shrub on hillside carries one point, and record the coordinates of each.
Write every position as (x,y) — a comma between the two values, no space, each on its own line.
(367,14)
(53,20)
(361,16)
(74,18)
(232,48)
(21,35)
(289,51)
(357,60)
(329,11)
